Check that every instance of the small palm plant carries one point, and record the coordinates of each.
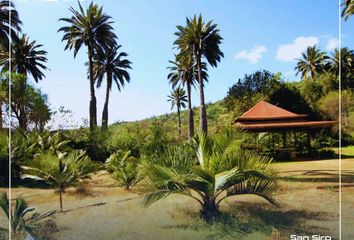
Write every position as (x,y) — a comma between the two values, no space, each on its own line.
(20,221)
(222,172)
(178,99)
(124,168)
(60,170)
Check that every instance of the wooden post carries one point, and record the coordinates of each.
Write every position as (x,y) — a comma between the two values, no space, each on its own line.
(308,141)
(284,139)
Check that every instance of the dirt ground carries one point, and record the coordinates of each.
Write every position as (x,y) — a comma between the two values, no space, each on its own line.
(309,195)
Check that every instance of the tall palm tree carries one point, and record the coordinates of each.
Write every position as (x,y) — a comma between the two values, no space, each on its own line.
(178,99)
(346,65)
(347,57)
(92,28)
(113,64)
(26,58)
(202,40)
(311,63)
(183,72)
(348,9)
(8,29)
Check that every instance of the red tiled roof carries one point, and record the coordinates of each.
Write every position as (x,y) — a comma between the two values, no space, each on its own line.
(266,116)
(284,125)
(264,110)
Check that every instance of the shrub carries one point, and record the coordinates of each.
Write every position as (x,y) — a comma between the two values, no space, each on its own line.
(124,168)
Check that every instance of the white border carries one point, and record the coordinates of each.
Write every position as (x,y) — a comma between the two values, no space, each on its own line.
(340,119)
(9,116)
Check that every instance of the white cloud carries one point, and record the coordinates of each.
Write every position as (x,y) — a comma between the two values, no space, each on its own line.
(289,52)
(332,43)
(253,55)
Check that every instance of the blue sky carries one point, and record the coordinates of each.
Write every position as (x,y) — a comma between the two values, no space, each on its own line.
(257,35)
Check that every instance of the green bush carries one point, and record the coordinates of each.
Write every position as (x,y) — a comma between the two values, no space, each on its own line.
(124,168)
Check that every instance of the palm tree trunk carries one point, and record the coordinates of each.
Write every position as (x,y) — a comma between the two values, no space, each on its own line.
(179,121)
(105,107)
(93,104)
(203,117)
(61,199)
(210,209)
(190,113)
(22,121)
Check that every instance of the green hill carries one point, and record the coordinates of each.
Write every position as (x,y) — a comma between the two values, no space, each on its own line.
(218,117)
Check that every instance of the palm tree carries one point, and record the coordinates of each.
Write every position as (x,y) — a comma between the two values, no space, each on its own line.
(178,99)
(221,172)
(183,71)
(347,57)
(348,9)
(18,217)
(113,64)
(60,169)
(347,62)
(202,40)
(92,28)
(26,58)
(7,9)
(312,62)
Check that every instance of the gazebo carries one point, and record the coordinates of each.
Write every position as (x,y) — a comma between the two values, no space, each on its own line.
(266,117)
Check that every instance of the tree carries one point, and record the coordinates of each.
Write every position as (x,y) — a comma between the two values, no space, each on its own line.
(112,64)
(202,40)
(250,89)
(7,31)
(40,113)
(92,28)
(289,97)
(28,104)
(178,99)
(26,58)
(222,172)
(19,221)
(183,71)
(8,28)
(60,169)
(311,62)
(329,105)
(347,66)
(348,9)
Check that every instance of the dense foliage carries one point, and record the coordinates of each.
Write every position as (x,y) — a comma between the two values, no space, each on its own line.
(30,107)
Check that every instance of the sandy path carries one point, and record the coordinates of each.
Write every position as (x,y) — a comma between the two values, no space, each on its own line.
(309,197)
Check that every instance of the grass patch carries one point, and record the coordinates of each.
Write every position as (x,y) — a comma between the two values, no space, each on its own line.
(226,226)
(348,151)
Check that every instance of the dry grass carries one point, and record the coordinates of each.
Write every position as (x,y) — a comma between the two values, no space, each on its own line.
(309,197)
